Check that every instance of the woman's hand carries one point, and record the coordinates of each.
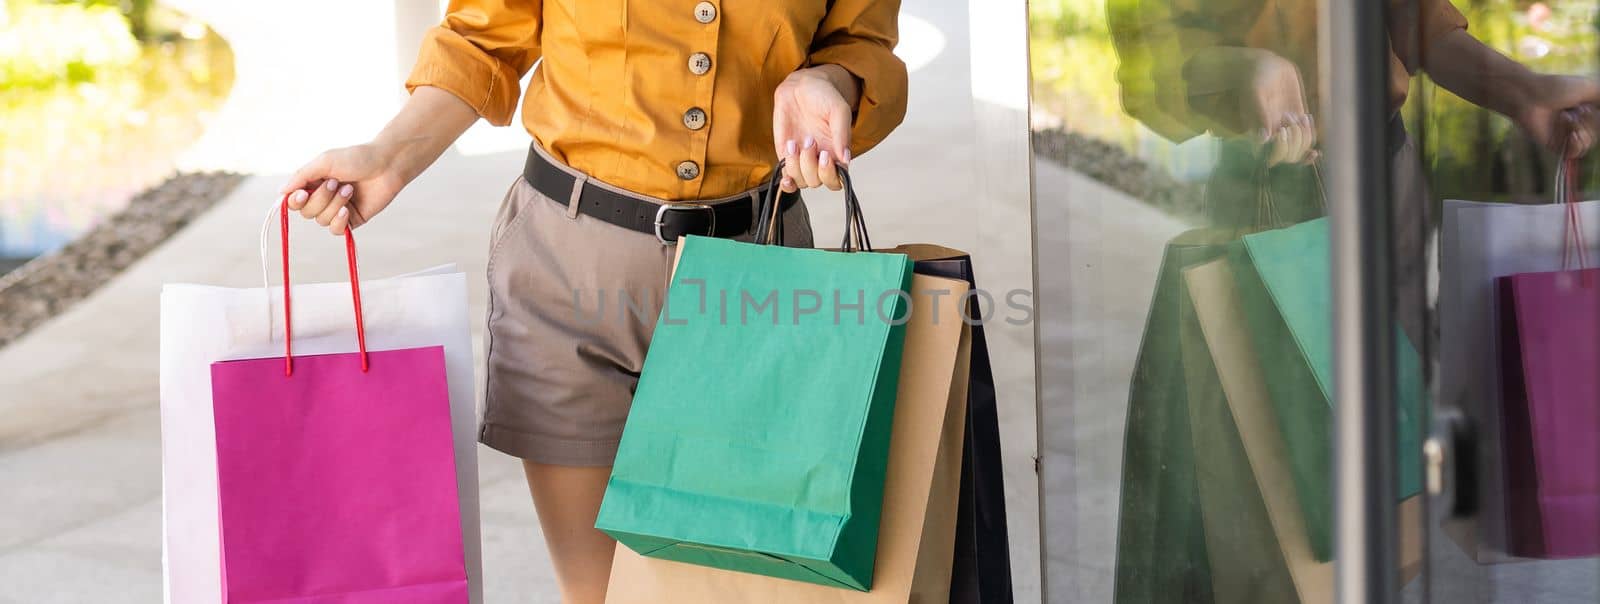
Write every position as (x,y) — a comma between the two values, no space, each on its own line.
(811,119)
(1558,113)
(343,188)
(1258,94)
(1276,107)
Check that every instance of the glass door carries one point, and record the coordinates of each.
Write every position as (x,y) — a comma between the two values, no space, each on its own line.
(1186,296)
(1317,308)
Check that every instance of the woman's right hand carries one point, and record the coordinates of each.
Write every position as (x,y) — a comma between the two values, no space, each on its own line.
(1276,106)
(1256,94)
(343,188)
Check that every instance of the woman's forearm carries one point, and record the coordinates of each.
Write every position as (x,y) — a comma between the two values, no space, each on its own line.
(431,120)
(1477,73)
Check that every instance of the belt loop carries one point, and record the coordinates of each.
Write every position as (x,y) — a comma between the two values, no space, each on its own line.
(577,194)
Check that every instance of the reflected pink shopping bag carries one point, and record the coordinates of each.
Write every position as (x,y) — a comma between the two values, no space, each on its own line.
(336,474)
(1550,367)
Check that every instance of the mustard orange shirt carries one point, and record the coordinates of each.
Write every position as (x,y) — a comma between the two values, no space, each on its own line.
(667,98)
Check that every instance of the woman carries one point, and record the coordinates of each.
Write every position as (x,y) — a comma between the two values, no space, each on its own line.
(636,108)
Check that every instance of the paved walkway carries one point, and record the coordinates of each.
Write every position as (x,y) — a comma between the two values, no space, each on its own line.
(80,443)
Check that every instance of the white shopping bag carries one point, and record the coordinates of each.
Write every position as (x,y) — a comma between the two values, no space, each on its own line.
(1479,242)
(203,324)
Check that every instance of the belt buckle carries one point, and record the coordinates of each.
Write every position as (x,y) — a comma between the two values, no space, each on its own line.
(661,214)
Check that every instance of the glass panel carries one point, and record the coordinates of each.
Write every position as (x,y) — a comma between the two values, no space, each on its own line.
(1184,301)
(1516,323)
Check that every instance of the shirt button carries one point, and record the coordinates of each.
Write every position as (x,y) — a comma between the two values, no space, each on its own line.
(694,118)
(688,170)
(705,12)
(699,63)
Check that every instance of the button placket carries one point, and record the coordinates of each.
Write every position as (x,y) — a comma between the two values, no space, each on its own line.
(695,118)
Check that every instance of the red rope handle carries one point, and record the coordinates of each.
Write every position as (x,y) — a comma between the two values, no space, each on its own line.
(288,323)
(1573,238)
(355,292)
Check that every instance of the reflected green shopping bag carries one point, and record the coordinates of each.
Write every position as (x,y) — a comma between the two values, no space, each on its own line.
(1162,553)
(1161,549)
(759,433)
(1285,287)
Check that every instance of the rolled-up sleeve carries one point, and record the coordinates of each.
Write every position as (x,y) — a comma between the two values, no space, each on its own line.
(480,53)
(860,35)
(1413,27)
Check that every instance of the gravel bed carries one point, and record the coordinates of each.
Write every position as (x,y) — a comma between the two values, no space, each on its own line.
(1120,170)
(49,284)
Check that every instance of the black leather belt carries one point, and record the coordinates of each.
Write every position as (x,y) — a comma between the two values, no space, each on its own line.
(667,222)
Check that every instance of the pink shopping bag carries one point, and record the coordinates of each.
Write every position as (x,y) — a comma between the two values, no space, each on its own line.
(1550,365)
(336,474)
(1551,425)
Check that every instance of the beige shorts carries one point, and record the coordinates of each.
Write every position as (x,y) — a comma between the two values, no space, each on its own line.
(572,303)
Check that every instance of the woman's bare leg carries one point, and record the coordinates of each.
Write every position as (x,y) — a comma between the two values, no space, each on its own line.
(568,499)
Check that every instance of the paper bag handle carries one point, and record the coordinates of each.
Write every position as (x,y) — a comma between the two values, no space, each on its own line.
(281,208)
(1573,243)
(769,217)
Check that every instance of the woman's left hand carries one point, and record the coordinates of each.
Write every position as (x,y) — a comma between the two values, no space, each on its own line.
(811,119)
(1559,113)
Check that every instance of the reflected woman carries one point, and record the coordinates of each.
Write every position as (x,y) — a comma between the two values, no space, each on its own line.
(1246,72)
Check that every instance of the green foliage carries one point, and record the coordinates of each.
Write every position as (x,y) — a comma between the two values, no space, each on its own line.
(1075,85)
(90,113)
(42,45)
(1471,152)
(1059,18)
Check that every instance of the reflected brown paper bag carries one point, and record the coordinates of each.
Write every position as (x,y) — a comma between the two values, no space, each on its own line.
(1261,501)
(917,534)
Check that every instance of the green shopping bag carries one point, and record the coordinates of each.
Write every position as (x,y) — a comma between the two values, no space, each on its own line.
(1161,549)
(1285,288)
(759,432)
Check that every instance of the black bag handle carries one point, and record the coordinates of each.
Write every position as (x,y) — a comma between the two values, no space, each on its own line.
(769,219)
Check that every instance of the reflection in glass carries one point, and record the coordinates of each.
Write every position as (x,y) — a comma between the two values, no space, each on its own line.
(1517,326)
(1187,410)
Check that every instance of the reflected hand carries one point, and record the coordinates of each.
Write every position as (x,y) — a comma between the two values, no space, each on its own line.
(811,121)
(1274,106)
(1255,94)
(344,187)
(1559,113)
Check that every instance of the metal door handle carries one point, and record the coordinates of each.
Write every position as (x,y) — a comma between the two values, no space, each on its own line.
(1450,457)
